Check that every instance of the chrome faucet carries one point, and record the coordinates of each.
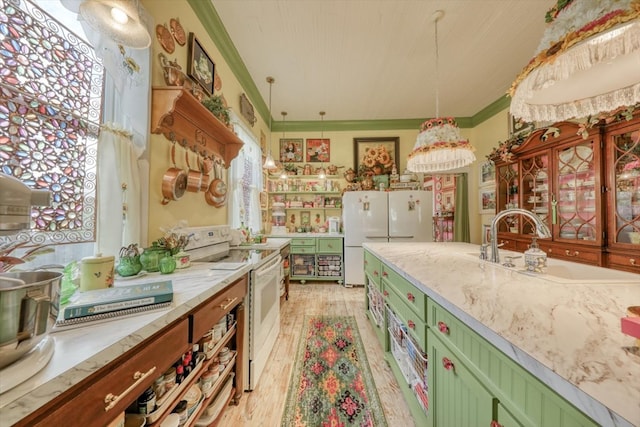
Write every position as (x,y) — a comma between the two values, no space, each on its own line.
(541,228)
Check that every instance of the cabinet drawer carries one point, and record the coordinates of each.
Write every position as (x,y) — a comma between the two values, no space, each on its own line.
(410,295)
(575,254)
(330,245)
(219,305)
(416,327)
(448,328)
(372,267)
(628,262)
(303,241)
(308,249)
(85,404)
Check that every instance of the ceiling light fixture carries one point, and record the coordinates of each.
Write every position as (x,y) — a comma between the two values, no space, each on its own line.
(269,163)
(322,173)
(283,175)
(439,146)
(587,63)
(117,19)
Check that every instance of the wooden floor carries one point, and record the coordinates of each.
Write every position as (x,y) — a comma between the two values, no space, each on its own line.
(264,405)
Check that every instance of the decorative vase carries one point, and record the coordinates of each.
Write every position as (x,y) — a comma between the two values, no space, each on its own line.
(167,264)
(129,266)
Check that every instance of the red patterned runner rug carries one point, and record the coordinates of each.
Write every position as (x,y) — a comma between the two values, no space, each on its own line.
(331,384)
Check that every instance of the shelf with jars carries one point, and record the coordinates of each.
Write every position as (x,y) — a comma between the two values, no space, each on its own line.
(584,182)
(302,203)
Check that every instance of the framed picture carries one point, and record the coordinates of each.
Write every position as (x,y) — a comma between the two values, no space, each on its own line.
(486,234)
(518,126)
(448,200)
(318,150)
(200,67)
(487,173)
(377,156)
(448,181)
(487,200)
(291,150)
(305,217)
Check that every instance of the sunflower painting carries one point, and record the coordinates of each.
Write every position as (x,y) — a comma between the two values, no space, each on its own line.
(376,156)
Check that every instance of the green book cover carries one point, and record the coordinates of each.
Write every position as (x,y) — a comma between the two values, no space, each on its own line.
(118,298)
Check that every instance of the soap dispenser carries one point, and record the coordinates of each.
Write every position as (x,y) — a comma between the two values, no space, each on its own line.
(535,259)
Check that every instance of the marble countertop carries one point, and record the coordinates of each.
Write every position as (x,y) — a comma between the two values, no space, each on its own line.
(292,235)
(566,334)
(82,351)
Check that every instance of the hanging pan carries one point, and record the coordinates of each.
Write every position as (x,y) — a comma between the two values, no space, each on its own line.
(194,177)
(174,181)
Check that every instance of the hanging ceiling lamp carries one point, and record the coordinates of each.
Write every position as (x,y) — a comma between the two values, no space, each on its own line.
(587,63)
(283,175)
(322,173)
(269,163)
(439,146)
(117,19)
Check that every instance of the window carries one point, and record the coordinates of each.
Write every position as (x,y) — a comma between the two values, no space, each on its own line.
(50,108)
(245,175)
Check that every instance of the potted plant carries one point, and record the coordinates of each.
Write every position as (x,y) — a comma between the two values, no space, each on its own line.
(291,169)
(216,106)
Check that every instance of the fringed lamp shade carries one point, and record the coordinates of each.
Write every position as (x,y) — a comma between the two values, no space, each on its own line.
(440,147)
(117,19)
(587,63)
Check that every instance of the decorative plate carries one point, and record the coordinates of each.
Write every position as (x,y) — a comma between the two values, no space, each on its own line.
(165,39)
(217,81)
(178,31)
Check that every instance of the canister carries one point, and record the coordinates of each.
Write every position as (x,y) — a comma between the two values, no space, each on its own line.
(96,272)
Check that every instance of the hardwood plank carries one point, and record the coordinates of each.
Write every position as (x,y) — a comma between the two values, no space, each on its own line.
(264,405)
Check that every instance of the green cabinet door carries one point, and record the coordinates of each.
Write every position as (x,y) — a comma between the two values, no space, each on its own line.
(456,398)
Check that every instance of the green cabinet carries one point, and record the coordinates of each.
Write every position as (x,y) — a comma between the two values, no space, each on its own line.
(317,258)
(470,382)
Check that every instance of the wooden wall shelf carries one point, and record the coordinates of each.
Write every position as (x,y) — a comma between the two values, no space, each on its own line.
(180,117)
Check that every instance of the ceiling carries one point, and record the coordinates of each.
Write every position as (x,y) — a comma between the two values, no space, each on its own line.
(362,60)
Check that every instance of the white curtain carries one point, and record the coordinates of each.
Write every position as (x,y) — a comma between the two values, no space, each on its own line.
(245,181)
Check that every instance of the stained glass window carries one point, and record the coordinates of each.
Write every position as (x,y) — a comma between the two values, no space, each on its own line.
(50,104)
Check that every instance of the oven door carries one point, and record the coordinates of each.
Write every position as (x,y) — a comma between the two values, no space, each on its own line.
(264,316)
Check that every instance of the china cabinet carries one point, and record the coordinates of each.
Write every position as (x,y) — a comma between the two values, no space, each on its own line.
(585,184)
(557,174)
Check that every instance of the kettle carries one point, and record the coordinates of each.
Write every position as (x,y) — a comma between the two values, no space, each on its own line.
(96,272)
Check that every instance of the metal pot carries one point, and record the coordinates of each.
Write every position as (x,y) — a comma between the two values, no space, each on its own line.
(25,301)
(174,181)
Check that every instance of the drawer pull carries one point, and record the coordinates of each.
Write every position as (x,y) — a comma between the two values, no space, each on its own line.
(494,423)
(112,399)
(411,297)
(375,272)
(330,246)
(385,293)
(443,327)
(366,262)
(385,274)
(230,301)
(567,252)
(411,324)
(448,364)
(632,261)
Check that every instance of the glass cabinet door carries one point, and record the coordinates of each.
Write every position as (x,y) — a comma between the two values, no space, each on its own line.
(508,193)
(626,158)
(535,190)
(576,196)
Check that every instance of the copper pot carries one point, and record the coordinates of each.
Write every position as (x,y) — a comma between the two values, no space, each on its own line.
(206,164)
(216,194)
(194,177)
(174,181)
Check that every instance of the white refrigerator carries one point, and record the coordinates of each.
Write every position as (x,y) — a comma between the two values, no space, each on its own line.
(379,216)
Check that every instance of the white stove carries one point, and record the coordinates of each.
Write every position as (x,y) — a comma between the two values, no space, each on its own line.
(208,243)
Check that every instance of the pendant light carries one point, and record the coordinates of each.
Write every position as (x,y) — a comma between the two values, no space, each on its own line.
(587,63)
(269,163)
(322,174)
(119,20)
(283,175)
(439,146)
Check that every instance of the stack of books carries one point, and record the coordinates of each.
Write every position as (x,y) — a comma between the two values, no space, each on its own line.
(116,302)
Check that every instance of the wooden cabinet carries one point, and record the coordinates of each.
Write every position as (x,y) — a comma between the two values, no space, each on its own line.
(317,258)
(585,183)
(103,396)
